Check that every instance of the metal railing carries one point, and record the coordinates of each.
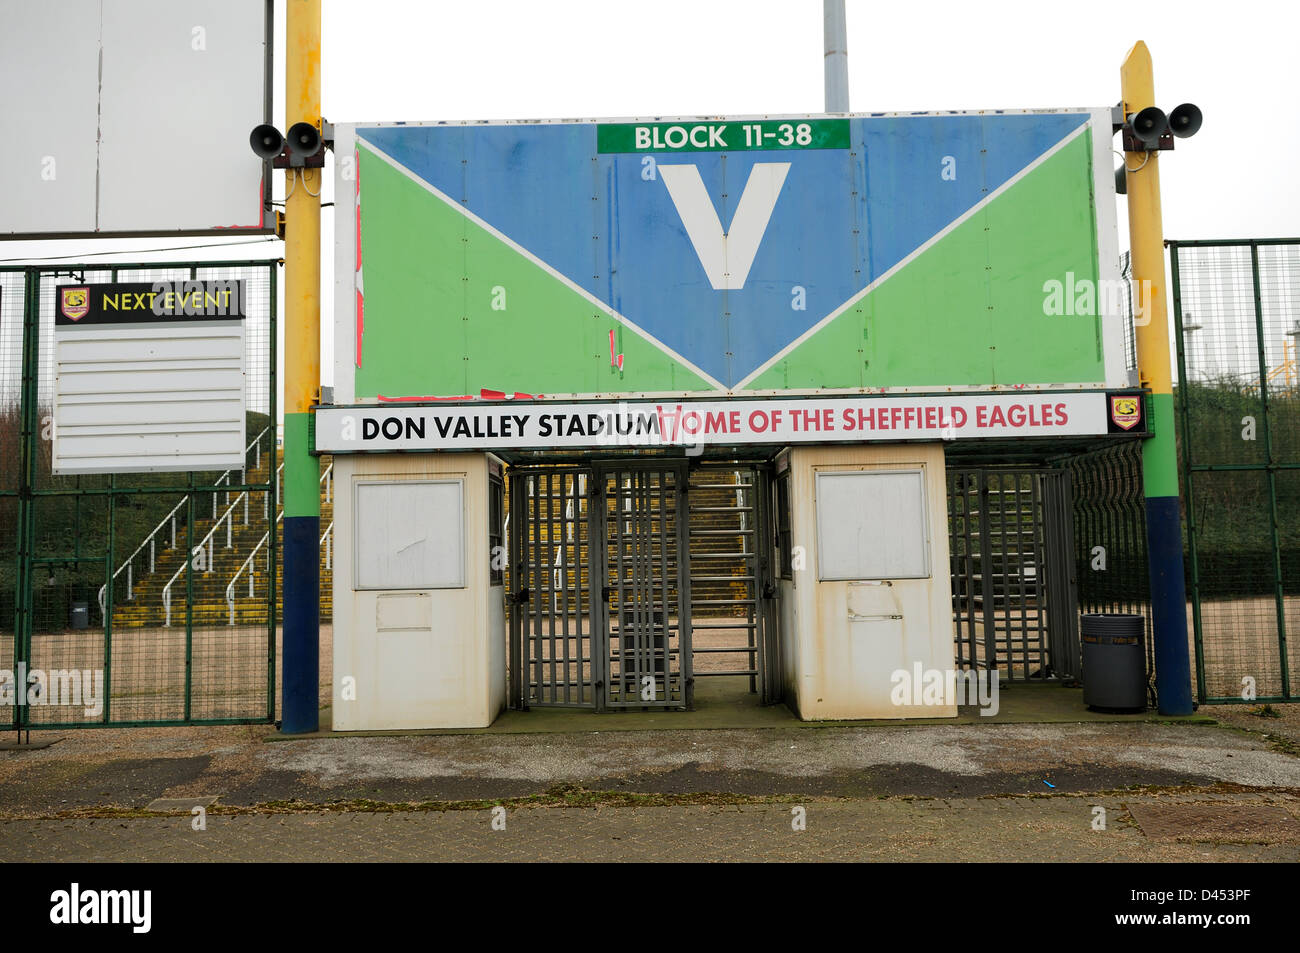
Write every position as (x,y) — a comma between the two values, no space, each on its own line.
(128,565)
(252,576)
(209,541)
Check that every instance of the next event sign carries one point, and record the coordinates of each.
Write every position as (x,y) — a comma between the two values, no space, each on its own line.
(149,376)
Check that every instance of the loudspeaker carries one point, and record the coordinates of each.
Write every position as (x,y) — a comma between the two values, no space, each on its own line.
(1185,121)
(304,139)
(1121,181)
(1149,125)
(266,141)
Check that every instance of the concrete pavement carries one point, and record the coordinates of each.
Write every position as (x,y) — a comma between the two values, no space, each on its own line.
(1008,791)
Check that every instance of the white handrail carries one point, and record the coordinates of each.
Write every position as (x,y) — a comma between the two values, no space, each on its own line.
(327,540)
(130,595)
(226,517)
(230,589)
(148,540)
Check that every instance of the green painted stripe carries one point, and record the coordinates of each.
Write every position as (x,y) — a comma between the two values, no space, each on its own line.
(1159,454)
(301,469)
(972,309)
(451,309)
(765,134)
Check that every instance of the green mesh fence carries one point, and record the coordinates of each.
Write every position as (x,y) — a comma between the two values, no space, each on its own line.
(1236,326)
(134,598)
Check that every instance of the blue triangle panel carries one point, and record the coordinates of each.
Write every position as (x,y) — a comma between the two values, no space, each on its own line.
(924,172)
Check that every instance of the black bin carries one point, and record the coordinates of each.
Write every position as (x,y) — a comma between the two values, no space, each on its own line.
(80,615)
(1114,662)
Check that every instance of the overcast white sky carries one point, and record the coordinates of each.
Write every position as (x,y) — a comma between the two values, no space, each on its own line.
(514,59)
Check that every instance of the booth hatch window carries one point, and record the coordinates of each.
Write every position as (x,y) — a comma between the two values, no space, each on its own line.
(872,524)
(410,535)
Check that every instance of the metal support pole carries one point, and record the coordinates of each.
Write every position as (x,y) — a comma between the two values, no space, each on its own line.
(1159,456)
(301,709)
(836,58)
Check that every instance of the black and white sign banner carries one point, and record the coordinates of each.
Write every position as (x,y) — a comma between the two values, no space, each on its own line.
(656,423)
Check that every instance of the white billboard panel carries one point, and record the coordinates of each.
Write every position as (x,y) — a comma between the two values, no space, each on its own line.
(126,117)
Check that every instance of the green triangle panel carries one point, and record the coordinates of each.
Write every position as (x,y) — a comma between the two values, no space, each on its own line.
(969,310)
(451,309)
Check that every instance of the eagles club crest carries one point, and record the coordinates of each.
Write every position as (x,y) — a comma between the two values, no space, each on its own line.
(74,303)
(1125,411)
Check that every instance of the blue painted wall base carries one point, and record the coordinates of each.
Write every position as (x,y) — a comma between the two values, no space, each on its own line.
(1168,606)
(301,706)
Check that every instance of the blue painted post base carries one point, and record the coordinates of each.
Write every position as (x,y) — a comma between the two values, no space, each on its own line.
(1168,606)
(301,692)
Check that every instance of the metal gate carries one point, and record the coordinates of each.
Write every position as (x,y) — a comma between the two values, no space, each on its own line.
(600,589)
(552,661)
(734,628)
(646,622)
(133,598)
(1013,583)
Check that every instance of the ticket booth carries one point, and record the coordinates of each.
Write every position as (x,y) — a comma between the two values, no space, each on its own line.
(419,621)
(866,591)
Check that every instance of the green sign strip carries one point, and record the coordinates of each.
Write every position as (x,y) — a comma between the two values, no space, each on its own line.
(729,136)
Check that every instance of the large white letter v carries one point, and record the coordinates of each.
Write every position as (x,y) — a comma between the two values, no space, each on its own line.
(726,256)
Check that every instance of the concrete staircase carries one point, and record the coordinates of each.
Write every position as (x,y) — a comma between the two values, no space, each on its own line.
(230,548)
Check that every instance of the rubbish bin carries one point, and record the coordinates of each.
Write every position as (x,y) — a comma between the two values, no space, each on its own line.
(1114,663)
(80,615)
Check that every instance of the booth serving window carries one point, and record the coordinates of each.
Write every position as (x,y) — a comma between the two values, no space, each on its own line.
(872,524)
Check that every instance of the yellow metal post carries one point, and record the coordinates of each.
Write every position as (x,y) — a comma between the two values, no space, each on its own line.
(1159,457)
(301,711)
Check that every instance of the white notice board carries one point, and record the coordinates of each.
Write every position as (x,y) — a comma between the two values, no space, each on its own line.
(149,377)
